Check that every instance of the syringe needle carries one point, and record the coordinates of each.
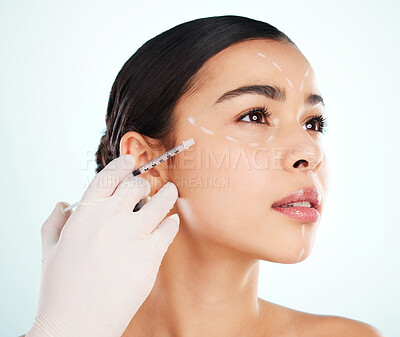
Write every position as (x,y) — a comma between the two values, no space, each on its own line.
(165,156)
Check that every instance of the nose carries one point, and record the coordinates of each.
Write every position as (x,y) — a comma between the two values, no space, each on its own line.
(301,153)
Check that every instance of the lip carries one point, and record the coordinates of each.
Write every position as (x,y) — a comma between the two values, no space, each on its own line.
(305,214)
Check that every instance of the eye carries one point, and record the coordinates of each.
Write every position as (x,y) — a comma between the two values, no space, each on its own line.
(256,115)
(316,123)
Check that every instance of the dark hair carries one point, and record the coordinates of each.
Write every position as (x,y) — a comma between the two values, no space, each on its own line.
(150,83)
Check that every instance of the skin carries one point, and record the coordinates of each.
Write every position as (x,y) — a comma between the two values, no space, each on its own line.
(207,283)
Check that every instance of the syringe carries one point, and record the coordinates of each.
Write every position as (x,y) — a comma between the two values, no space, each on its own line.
(165,156)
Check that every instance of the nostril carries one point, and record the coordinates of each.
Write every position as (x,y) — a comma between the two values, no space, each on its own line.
(297,163)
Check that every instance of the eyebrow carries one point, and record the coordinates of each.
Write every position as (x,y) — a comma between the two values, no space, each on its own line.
(270,91)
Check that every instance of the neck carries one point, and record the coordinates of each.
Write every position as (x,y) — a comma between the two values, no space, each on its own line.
(202,289)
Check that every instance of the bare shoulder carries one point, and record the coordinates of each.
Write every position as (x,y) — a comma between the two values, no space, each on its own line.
(341,326)
(302,324)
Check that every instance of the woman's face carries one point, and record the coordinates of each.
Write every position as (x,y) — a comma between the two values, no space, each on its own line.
(240,166)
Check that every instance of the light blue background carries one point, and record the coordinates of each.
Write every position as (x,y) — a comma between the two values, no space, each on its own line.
(58,61)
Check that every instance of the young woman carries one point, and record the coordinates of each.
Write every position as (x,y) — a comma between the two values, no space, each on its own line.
(251,188)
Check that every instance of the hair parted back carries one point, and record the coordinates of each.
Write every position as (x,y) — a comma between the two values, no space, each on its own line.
(150,83)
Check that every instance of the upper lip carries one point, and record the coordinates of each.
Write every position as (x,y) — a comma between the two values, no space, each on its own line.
(305,194)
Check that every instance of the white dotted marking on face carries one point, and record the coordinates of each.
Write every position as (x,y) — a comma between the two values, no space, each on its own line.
(301,253)
(303,234)
(232,139)
(306,74)
(276,65)
(301,85)
(269,138)
(254,144)
(290,83)
(262,55)
(206,130)
(191,120)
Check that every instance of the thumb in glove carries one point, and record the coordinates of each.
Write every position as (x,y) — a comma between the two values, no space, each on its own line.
(51,228)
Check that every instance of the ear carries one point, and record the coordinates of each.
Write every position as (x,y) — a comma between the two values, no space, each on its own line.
(134,143)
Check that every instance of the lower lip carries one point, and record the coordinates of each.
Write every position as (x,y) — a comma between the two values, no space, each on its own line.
(305,214)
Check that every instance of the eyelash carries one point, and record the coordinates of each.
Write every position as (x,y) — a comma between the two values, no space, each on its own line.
(322,121)
(262,109)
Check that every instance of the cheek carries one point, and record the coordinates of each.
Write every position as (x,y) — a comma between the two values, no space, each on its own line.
(224,187)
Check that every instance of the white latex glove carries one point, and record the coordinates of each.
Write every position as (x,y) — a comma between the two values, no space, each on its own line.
(100,263)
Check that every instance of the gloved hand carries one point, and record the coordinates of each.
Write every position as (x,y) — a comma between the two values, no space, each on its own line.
(100,263)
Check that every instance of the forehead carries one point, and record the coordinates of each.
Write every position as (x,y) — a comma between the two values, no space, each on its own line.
(257,61)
